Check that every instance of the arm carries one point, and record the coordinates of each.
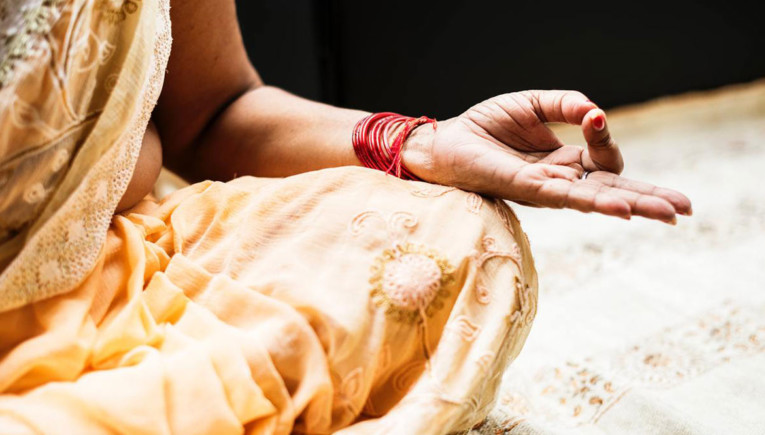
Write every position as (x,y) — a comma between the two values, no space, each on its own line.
(271,133)
(217,120)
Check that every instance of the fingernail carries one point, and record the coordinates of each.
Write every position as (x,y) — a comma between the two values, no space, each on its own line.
(599,122)
(672,221)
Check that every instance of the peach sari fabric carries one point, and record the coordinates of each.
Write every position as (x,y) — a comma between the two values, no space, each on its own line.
(78,82)
(341,299)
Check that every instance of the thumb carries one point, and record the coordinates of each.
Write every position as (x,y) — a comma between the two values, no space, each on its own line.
(602,153)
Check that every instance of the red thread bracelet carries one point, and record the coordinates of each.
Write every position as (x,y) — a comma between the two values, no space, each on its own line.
(371,141)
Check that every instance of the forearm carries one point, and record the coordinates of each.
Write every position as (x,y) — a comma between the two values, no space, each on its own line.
(215,118)
(268,132)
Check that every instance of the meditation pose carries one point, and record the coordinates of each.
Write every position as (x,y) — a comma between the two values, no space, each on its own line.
(327,269)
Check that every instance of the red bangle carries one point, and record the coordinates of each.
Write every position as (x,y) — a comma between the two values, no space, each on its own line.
(371,137)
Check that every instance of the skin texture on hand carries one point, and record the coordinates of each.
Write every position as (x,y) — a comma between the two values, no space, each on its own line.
(503,148)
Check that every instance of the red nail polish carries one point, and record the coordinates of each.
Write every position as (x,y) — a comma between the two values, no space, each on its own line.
(598,122)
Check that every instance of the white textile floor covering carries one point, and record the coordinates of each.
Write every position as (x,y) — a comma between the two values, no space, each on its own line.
(643,327)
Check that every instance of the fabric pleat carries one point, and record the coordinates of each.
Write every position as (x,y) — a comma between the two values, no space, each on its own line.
(338,300)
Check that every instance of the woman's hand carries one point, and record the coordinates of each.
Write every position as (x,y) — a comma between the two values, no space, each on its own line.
(503,148)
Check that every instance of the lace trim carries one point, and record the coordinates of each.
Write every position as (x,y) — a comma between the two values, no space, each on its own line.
(64,250)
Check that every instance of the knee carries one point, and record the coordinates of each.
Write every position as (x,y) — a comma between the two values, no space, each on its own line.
(503,230)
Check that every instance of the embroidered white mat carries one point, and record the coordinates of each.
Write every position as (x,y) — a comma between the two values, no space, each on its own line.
(644,327)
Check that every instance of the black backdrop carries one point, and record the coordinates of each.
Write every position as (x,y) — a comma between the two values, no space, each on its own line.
(439,58)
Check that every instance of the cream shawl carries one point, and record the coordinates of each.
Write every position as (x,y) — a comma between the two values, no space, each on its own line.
(78,82)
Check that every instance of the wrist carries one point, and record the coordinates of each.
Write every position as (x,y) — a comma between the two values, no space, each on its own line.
(417,153)
(379,141)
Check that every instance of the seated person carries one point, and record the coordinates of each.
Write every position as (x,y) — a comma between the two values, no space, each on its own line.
(298,292)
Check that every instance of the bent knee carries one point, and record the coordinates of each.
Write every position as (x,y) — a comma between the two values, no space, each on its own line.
(498,217)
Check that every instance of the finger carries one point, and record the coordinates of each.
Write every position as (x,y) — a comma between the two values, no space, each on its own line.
(567,155)
(556,171)
(560,187)
(680,202)
(557,186)
(590,197)
(602,152)
(568,107)
(520,183)
(586,196)
(577,195)
(645,205)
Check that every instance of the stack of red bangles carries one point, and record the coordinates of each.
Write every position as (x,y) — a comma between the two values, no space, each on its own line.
(371,137)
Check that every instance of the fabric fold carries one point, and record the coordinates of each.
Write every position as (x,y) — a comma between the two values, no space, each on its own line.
(297,305)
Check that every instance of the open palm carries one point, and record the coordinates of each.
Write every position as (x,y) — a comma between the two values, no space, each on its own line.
(502,147)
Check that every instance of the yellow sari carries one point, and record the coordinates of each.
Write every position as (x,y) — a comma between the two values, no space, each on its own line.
(338,300)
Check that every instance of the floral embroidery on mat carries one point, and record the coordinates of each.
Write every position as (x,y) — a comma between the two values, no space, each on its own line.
(580,392)
(709,341)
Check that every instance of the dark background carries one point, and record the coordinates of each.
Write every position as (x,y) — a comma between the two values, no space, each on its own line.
(439,58)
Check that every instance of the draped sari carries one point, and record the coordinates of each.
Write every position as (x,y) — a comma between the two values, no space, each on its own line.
(337,300)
